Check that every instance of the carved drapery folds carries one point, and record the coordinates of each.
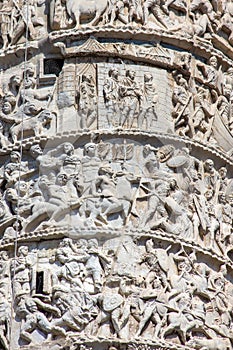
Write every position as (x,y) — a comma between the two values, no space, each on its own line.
(116,204)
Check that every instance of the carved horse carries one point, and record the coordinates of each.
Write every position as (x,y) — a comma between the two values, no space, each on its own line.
(78,9)
(99,209)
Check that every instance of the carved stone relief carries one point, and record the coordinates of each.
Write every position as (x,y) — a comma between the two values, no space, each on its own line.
(116,205)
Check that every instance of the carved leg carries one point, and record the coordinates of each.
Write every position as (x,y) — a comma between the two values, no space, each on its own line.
(96,19)
(145,14)
(145,318)
(115,316)
(77,19)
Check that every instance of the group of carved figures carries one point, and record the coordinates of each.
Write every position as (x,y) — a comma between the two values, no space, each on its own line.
(201,108)
(119,289)
(168,190)
(16,18)
(128,101)
(24,109)
(200,17)
(202,103)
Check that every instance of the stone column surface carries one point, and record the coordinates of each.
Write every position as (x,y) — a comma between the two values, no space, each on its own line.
(116,175)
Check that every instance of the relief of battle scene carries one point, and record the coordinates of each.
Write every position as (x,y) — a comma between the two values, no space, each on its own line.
(119,288)
(204,19)
(118,184)
(199,18)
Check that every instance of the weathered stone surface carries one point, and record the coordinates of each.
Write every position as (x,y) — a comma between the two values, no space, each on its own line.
(116,180)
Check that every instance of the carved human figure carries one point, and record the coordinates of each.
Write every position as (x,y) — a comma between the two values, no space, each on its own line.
(5,22)
(130,96)
(205,7)
(213,219)
(202,25)
(90,165)
(210,175)
(71,269)
(29,93)
(115,10)
(59,198)
(184,319)
(87,100)
(34,319)
(7,109)
(226,20)
(25,16)
(5,316)
(178,221)
(19,198)
(21,272)
(74,310)
(5,275)
(134,10)
(105,200)
(224,215)
(15,167)
(149,103)
(224,105)
(203,115)
(158,190)
(112,312)
(14,85)
(153,6)
(155,307)
(111,97)
(96,264)
(210,71)
(182,112)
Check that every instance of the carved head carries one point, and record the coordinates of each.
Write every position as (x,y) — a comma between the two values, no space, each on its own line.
(209,165)
(36,151)
(173,184)
(227,89)
(113,72)
(62,179)
(30,108)
(4,255)
(209,193)
(90,149)
(15,157)
(15,80)
(21,187)
(157,284)
(46,116)
(149,245)
(23,250)
(148,77)
(87,78)
(106,170)
(66,242)
(131,74)
(68,148)
(8,104)
(92,244)
(222,197)
(223,172)
(213,62)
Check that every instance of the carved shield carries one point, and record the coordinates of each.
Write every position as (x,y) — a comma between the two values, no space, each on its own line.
(112,301)
(176,162)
